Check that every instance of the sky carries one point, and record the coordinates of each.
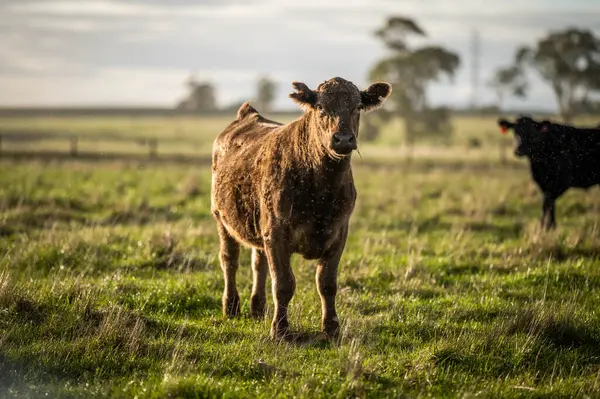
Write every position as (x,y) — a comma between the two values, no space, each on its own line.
(141,52)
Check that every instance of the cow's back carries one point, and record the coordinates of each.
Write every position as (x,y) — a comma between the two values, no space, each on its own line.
(571,158)
(244,136)
(583,149)
(236,168)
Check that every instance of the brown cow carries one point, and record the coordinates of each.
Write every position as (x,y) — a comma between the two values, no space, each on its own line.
(284,189)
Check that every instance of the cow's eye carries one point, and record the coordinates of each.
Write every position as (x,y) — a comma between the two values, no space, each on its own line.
(322,111)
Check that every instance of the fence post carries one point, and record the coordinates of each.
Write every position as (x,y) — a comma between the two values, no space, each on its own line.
(74,143)
(153,146)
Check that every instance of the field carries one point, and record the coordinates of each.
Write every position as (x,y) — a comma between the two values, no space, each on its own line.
(194,135)
(110,283)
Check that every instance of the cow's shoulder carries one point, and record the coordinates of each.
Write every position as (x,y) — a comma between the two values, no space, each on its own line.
(247,132)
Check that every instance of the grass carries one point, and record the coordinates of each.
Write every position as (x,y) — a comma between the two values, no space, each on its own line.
(110,286)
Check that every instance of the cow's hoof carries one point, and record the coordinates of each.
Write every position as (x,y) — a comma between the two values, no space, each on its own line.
(231,306)
(282,334)
(257,307)
(280,331)
(331,328)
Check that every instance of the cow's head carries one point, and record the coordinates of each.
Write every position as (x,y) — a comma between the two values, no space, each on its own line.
(334,108)
(529,134)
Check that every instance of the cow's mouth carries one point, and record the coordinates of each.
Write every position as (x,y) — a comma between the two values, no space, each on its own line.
(519,152)
(344,151)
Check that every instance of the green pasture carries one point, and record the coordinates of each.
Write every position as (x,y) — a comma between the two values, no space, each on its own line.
(110,283)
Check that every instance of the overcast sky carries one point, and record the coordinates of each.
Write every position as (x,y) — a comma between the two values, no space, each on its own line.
(140,52)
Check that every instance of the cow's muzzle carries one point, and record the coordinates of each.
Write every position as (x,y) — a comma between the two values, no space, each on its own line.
(519,152)
(343,143)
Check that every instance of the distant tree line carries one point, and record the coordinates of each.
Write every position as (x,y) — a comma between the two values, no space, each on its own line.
(568,61)
(202,96)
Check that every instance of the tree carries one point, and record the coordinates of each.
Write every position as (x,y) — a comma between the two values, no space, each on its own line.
(395,32)
(411,71)
(201,96)
(508,81)
(265,93)
(569,61)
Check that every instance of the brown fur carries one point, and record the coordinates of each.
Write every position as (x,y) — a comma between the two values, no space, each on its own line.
(283,189)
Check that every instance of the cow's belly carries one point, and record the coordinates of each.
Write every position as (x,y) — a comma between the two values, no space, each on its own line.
(586,178)
(238,212)
(312,240)
(243,230)
(317,228)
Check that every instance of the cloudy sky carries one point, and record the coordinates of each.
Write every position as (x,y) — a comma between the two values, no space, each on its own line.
(139,52)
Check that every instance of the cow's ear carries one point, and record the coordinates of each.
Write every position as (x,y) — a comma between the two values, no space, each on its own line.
(505,125)
(375,95)
(304,96)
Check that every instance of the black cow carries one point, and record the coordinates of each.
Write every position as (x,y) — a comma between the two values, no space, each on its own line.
(560,156)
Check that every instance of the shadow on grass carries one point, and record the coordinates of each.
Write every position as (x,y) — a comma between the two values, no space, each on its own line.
(544,341)
(20,201)
(511,231)
(38,219)
(29,311)
(560,329)
(313,339)
(465,269)
(32,219)
(561,253)
(47,340)
(181,301)
(538,285)
(435,223)
(72,342)
(387,283)
(142,216)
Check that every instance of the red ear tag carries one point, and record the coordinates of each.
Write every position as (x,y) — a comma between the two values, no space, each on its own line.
(503,129)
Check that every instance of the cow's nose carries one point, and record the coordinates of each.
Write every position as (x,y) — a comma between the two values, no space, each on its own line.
(343,143)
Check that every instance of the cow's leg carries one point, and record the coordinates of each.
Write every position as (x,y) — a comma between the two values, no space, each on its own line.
(228,256)
(548,218)
(282,280)
(260,267)
(326,277)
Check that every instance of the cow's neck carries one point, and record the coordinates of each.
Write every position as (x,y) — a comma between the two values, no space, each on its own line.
(547,152)
(332,167)
(543,164)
